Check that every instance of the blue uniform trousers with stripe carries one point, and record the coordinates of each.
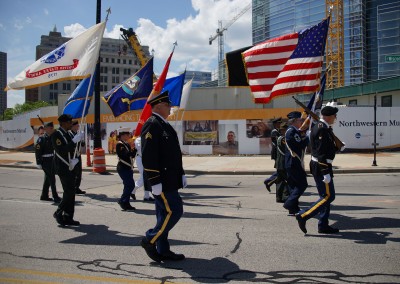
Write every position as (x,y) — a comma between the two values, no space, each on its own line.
(272,179)
(169,209)
(128,181)
(323,204)
(297,183)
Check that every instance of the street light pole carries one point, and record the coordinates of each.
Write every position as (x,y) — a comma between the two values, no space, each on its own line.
(97,128)
(374,162)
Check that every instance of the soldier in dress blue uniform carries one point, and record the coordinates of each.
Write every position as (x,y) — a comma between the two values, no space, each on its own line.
(64,148)
(125,167)
(162,162)
(275,133)
(323,149)
(78,168)
(296,143)
(44,153)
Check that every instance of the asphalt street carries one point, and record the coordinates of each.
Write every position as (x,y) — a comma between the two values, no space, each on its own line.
(232,231)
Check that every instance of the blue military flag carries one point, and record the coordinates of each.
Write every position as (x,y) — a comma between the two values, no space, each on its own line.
(132,93)
(76,102)
(174,86)
(315,103)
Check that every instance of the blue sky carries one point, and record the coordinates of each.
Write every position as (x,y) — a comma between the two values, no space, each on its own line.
(158,24)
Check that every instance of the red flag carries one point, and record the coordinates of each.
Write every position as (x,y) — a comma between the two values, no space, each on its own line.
(146,112)
(286,65)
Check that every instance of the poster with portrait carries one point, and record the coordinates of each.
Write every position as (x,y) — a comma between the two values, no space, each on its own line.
(261,130)
(228,143)
(200,132)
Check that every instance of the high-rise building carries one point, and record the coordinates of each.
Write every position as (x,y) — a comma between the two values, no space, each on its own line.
(199,77)
(117,63)
(371,31)
(3,82)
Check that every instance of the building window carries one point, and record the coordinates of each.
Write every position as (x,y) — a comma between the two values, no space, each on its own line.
(386,101)
(118,61)
(130,61)
(112,60)
(107,60)
(352,102)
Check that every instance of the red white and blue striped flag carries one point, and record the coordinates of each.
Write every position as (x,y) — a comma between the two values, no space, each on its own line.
(290,64)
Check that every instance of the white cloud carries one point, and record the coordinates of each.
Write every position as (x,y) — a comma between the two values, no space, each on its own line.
(46,12)
(15,97)
(2,27)
(18,26)
(193,33)
(73,30)
(28,20)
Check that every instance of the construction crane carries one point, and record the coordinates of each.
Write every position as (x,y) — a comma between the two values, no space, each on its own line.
(335,44)
(132,40)
(220,35)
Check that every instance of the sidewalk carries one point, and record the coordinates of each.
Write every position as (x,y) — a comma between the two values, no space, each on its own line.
(238,165)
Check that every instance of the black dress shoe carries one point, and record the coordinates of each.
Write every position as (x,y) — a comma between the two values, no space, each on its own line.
(126,206)
(151,250)
(133,196)
(57,200)
(267,186)
(71,222)
(328,230)
(46,198)
(59,218)
(302,223)
(150,199)
(79,191)
(173,256)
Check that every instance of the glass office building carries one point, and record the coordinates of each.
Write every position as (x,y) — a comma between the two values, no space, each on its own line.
(371,32)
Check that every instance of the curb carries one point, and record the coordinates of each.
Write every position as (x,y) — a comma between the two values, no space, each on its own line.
(113,169)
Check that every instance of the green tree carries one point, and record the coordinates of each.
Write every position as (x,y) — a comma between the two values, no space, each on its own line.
(21,108)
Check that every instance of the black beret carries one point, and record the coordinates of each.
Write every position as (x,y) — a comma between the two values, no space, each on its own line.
(163,97)
(64,118)
(294,114)
(329,110)
(75,122)
(48,124)
(277,120)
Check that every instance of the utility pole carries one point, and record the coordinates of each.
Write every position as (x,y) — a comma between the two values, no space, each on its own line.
(97,127)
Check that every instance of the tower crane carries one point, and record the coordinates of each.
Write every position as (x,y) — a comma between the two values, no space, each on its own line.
(335,44)
(220,35)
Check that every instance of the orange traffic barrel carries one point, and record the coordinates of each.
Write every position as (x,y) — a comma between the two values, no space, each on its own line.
(99,160)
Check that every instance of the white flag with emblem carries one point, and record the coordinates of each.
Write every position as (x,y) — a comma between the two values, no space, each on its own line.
(75,59)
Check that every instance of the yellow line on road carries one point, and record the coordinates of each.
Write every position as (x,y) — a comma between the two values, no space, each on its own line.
(73,276)
(22,281)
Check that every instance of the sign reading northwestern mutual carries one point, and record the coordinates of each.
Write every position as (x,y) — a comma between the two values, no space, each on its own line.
(355,127)
(392,58)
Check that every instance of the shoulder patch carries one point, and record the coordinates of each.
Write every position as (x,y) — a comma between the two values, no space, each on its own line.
(38,146)
(148,136)
(58,142)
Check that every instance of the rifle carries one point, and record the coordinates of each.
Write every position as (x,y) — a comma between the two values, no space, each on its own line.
(41,120)
(339,144)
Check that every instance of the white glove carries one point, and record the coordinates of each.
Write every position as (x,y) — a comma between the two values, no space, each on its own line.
(184,181)
(327,178)
(156,189)
(39,167)
(343,147)
(73,163)
(78,137)
(308,132)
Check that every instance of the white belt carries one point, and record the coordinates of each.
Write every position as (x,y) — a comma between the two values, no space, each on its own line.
(47,155)
(316,160)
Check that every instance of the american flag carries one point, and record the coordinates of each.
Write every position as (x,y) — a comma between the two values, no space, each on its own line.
(286,65)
